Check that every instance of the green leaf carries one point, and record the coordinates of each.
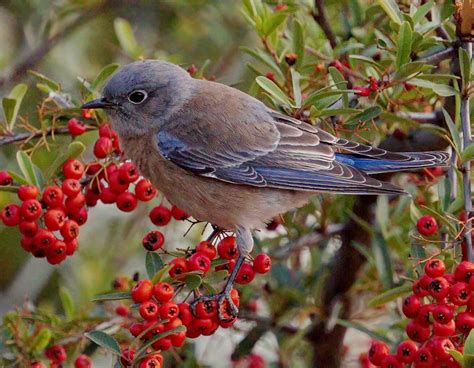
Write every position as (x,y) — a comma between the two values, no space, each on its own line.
(439,89)
(366,60)
(74,149)
(271,23)
(275,91)
(126,38)
(421,11)
(389,295)
(104,340)
(67,303)
(409,69)
(41,340)
(340,82)
(153,264)
(404,43)
(391,8)
(51,85)
(193,281)
(11,104)
(457,357)
(112,296)
(18,178)
(468,153)
(465,67)
(469,344)
(27,168)
(159,275)
(8,188)
(295,79)
(151,341)
(265,59)
(298,42)
(456,139)
(105,73)
(383,262)
(368,114)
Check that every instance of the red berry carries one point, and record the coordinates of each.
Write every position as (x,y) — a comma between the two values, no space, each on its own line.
(151,361)
(142,291)
(443,313)
(406,351)
(417,332)
(106,131)
(116,184)
(444,330)
(53,197)
(427,225)
(80,216)
(245,275)
(378,352)
(122,310)
(73,169)
(168,310)
(71,187)
(76,127)
(126,202)
(71,247)
(338,65)
(56,354)
(460,293)
(270,76)
(178,339)
(31,210)
(149,310)
(199,262)
(153,240)
(87,113)
(227,248)
(74,204)
(160,215)
(178,213)
(229,266)
(192,69)
(262,263)
(163,292)
(11,215)
(37,365)
(42,241)
(207,309)
(83,361)
(103,147)
(435,268)
(54,219)
(107,196)
(128,172)
(423,316)
(70,230)
(180,265)
(185,314)
(26,192)
(439,288)
(464,271)
(56,253)
(28,228)
(411,306)
(144,190)
(202,326)
(424,358)
(362,91)
(126,359)
(465,322)
(5,178)
(391,361)
(440,348)
(206,248)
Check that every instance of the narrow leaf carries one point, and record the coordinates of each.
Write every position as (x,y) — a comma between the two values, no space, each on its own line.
(104,340)
(421,11)
(404,43)
(41,340)
(383,262)
(391,8)
(67,303)
(11,104)
(389,295)
(126,38)
(465,67)
(27,167)
(456,139)
(359,327)
(74,150)
(468,153)
(111,296)
(275,91)
(298,42)
(295,79)
(153,264)
(105,73)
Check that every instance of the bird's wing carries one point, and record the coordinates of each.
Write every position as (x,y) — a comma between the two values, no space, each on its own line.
(258,147)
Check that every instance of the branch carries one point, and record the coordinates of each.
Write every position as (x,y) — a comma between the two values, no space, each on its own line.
(434,117)
(34,56)
(319,15)
(23,137)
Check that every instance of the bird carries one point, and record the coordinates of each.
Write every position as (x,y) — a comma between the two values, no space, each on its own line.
(226,158)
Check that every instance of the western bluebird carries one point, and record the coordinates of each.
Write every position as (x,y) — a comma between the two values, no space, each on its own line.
(226,158)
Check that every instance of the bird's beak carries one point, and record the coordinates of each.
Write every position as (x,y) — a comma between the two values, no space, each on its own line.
(100,103)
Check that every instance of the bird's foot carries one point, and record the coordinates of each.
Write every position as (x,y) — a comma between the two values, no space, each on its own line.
(227,310)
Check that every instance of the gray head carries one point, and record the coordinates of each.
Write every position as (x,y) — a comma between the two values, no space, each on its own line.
(141,96)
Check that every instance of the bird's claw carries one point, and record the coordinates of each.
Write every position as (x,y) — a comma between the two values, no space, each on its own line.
(226,308)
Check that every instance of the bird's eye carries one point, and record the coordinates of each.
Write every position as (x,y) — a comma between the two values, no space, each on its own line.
(137,97)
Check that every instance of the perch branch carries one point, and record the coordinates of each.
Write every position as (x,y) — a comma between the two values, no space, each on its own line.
(319,15)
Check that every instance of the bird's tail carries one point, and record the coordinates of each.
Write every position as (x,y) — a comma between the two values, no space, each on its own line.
(407,161)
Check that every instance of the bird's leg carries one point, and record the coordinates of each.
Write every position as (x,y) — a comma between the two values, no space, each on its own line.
(226,308)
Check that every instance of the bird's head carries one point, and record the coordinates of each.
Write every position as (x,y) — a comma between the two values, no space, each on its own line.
(141,96)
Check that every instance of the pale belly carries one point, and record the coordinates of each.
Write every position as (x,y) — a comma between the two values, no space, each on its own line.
(223,204)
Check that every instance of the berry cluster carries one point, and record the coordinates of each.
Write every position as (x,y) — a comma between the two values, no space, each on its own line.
(441,313)
(49,221)
(56,354)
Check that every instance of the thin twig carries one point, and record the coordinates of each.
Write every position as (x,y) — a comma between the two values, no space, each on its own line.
(466,172)
(319,15)
(21,137)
